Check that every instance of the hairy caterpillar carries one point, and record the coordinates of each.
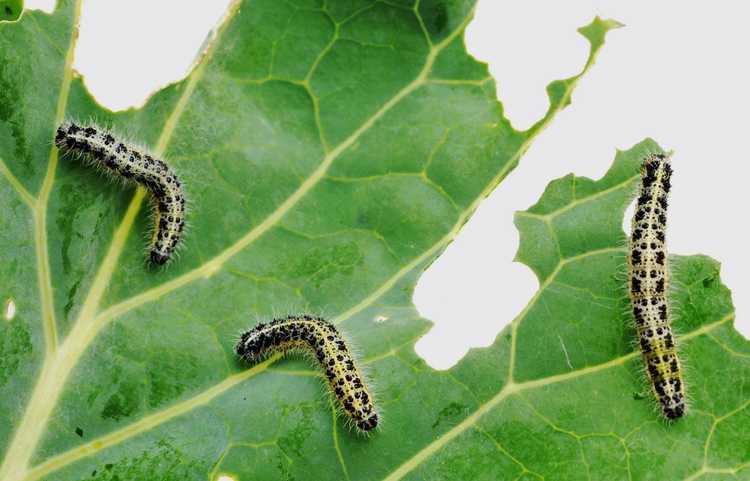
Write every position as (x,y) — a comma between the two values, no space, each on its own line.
(319,337)
(130,163)
(648,283)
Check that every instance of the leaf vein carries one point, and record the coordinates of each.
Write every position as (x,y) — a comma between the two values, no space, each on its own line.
(24,194)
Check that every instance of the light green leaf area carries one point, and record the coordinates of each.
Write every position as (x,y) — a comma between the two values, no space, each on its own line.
(331,150)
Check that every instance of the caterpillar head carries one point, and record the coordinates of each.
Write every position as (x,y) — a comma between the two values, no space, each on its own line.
(159,258)
(250,343)
(369,423)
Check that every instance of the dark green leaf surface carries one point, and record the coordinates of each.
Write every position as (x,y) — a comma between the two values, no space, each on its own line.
(10,9)
(331,151)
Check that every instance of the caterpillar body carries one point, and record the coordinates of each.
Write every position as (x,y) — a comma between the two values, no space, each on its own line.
(648,284)
(319,337)
(130,163)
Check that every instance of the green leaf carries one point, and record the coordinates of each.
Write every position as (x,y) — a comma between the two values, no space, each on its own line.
(331,152)
(10,9)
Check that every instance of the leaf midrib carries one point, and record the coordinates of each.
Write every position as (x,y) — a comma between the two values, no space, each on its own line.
(21,447)
(40,212)
(58,363)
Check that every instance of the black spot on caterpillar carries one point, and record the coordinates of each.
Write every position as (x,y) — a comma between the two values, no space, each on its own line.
(130,163)
(319,337)
(648,281)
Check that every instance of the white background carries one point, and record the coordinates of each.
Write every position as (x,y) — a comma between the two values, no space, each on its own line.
(678,72)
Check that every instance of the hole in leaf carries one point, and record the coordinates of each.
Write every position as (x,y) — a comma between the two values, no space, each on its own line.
(10,310)
(627,219)
(47,6)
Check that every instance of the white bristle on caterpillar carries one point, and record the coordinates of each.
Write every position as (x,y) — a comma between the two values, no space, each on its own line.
(128,162)
(648,285)
(320,338)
